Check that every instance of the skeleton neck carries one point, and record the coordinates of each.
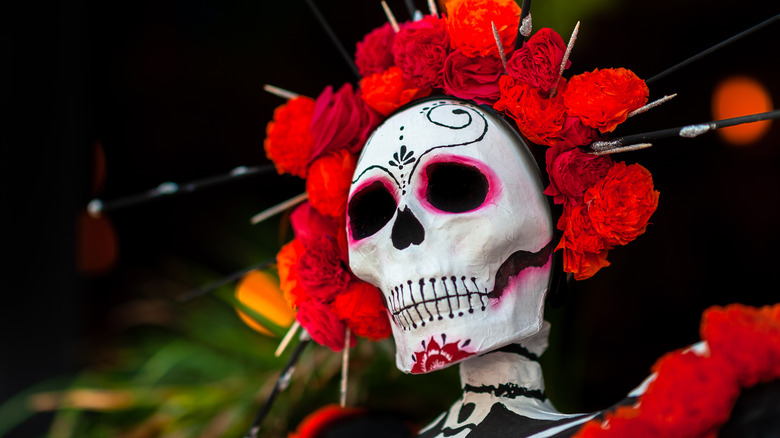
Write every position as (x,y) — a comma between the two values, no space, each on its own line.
(510,375)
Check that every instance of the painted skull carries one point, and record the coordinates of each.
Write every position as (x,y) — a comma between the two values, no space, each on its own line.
(447,218)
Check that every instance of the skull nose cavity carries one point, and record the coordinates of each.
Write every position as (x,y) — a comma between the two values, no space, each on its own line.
(407,230)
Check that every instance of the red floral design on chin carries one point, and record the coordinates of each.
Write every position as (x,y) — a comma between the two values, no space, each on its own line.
(435,356)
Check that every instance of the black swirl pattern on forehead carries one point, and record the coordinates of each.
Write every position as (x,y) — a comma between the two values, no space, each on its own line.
(450,115)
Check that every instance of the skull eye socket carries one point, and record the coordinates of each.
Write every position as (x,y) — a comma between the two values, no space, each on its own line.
(455,187)
(369,210)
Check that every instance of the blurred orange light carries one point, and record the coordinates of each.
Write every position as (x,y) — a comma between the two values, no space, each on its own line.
(741,96)
(261,293)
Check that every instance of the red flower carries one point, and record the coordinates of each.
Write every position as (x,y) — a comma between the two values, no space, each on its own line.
(328,183)
(322,325)
(603,98)
(573,172)
(575,133)
(755,331)
(420,49)
(538,118)
(374,53)
(288,142)
(474,78)
(341,120)
(584,250)
(538,62)
(435,356)
(389,90)
(621,204)
(468,23)
(321,269)
(289,281)
(308,224)
(361,308)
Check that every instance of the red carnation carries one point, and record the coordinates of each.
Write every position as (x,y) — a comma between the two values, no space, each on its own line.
(540,119)
(420,49)
(573,172)
(575,133)
(621,204)
(603,98)
(322,325)
(341,120)
(584,250)
(321,269)
(328,183)
(538,62)
(374,53)
(389,90)
(472,78)
(361,308)
(469,25)
(288,142)
(308,224)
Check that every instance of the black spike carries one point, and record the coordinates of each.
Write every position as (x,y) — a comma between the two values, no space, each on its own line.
(333,38)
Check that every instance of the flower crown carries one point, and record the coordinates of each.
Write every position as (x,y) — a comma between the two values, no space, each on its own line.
(470,53)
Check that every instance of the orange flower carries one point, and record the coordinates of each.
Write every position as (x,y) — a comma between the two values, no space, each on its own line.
(387,91)
(258,291)
(468,23)
(328,183)
(620,205)
(602,99)
(538,118)
(287,263)
(288,142)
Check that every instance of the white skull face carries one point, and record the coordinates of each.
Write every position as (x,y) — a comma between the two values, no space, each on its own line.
(447,218)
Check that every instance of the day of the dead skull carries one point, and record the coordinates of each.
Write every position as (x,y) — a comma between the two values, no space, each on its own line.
(447,218)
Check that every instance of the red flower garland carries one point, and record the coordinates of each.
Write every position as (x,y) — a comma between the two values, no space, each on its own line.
(605,204)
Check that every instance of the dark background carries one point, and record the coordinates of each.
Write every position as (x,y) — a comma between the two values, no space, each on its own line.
(173,92)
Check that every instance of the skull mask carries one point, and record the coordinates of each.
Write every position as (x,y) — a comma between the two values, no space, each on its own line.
(447,218)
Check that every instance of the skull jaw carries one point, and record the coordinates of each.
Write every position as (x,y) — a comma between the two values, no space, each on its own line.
(516,314)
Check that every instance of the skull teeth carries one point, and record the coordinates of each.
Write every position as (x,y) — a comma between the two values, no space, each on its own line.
(414,304)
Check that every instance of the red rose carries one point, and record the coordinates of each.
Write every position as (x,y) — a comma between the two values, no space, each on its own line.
(573,172)
(538,62)
(603,98)
(468,23)
(436,356)
(328,183)
(322,325)
(538,118)
(322,270)
(621,204)
(288,142)
(374,53)
(420,49)
(472,78)
(361,308)
(389,90)
(341,120)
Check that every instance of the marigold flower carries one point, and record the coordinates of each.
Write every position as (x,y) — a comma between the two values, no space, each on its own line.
(328,183)
(602,99)
(387,91)
(620,205)
(538,118)
(258,291)
(287,263)
(468,23)
(288,142)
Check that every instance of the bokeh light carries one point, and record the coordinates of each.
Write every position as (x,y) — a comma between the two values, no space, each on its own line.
(740,96)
